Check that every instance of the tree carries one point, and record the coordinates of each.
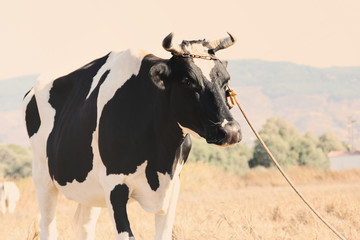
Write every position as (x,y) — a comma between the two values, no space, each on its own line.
(310,153)
(290,148)
(234,158)
(329,142)
(282,139)
(15,161)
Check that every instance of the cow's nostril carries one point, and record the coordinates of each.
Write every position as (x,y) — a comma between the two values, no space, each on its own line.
(224,135)
(233,133)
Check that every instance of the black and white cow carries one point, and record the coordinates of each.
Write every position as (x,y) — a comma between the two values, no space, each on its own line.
(116,130)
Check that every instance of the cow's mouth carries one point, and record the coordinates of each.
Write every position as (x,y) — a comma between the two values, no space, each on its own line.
(228,134)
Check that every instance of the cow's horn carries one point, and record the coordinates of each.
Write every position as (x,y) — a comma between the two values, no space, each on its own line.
(169,46)
(222,43)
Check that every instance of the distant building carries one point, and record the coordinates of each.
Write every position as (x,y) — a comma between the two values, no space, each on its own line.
(344,160)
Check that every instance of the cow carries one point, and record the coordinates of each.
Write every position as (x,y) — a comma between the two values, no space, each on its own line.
(9,196)
(117,129)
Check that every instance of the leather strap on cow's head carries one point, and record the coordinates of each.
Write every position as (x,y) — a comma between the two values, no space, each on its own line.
(206,57)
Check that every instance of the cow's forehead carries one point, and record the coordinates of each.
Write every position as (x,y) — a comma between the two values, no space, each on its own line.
(205,66)
(200,48)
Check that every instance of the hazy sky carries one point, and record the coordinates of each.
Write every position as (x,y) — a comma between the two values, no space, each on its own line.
(43,36)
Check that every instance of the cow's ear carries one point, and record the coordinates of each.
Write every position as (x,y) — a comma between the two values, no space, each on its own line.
(159,73)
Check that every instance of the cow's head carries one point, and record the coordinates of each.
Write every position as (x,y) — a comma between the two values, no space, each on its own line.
(197,82)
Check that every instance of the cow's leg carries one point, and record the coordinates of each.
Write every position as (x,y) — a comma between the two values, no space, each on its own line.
(11,205)
(47,198)
(164,222)
(3,205)
(116,202)
(47,195)
(85,221)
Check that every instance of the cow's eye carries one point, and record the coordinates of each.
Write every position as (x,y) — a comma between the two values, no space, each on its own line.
(186,82)
(225,85)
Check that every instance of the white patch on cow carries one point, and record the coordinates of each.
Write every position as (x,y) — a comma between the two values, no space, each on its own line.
(152,201)
(164,222)
(205,66)
(186,130)
(124,236)
(9,196)
(197,49)
(122,66)
(126,64)
(224,123)
(91,193)
(47,115)
(100,72)
(162,202)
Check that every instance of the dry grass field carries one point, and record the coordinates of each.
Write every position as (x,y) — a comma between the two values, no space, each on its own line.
(217,205)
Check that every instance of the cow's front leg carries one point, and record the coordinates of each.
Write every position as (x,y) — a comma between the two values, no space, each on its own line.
(117,201)
(164,222)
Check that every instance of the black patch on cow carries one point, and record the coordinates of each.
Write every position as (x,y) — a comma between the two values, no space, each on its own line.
(136,125)
(182,153)
(118,198)
(69,144)
(26,94)
(32,117)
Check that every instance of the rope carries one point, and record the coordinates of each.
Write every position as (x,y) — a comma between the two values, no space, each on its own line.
(232,96)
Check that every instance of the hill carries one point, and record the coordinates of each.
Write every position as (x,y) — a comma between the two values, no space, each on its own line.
(12,91)
(313,99)
(279,79)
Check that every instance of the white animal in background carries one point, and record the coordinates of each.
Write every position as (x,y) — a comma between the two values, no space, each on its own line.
(9,196)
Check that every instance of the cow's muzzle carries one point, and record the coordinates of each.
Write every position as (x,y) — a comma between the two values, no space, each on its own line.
(228,134)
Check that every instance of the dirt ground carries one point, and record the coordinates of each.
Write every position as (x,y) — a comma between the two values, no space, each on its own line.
(218,205)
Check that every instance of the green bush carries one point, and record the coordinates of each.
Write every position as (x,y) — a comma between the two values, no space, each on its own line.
(234,158)
(282,139)
(290,148)
(329,142)
(311,154)
(15,162)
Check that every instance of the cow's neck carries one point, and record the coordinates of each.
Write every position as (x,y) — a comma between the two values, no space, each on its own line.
(172,147)
(163,128)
